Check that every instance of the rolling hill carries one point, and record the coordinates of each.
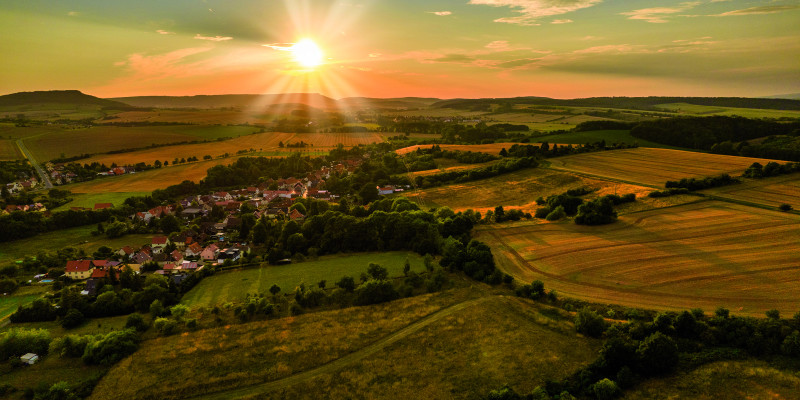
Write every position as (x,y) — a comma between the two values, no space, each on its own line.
(71,97)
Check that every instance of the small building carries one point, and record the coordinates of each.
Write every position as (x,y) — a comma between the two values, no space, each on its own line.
(80,269)
(102,206)
(29,358)
(159,243)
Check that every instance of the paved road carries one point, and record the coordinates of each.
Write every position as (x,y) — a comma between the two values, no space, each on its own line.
(340,363)
(43,177)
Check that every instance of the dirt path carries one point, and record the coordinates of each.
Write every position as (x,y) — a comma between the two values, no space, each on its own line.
(340,363)
(42,175)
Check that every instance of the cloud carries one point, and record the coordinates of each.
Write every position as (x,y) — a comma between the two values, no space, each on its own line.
(517,63)
(212,38)
(610,48)
(280,46)
(163,32)
(658,15)
(561,21)
(375,55)
(453,58)
(531,10)
(498,44)
(441,13)
(758,10)
(73,13)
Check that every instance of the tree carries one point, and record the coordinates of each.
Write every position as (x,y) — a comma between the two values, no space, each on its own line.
(169,224)
(179,311)
(785,207)
(274,289)
(587,321)
(136,321)
(377,272)
(657,354)
(116,229)
(499,214)
(368,193)
(605,389)
(72,319)
(111,348)
(406,267)
(156,308)
(374,292)
(347,283)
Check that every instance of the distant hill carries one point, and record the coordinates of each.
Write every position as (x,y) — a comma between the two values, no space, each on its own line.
(793,96)
(629,102)
(230,100)
(71,97)
(393,103)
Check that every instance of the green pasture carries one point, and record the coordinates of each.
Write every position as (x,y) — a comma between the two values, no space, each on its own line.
(90,199)
(23,295)
(684,108)
(234,285)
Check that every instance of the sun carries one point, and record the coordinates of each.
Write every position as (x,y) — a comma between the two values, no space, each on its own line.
(307,53)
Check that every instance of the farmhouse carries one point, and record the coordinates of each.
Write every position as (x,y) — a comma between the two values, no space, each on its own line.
(159,243)
(79,269)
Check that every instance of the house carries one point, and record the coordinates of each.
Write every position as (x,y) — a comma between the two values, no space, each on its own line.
(79,269)
(190,213)
(126,251)
(159,243)
(177,255)
(229,254)
(141,257)
(193,250)
(169,268)
(102,206)
(385,190)
(296,215)
(210,252)
(232,222)
(224,196)
(189,266)
(29,358)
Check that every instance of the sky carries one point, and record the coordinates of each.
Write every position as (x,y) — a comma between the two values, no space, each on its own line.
(398,48)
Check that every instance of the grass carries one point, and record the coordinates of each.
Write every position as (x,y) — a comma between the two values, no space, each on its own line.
(233,286)
(749,379)
(653,167)
(610,136)
(94,326)
(79,237)
(498,341)
(90,199)
(693,109)
(23,295)
(238,355)
(706,254)
(771,192)
(48,371)
(9,150)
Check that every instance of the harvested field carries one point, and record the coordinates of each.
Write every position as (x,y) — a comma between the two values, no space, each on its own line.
(9,150)
(519,189)
(261,142)
(653,167)
(706,254)
(150,180)
(770,192)
(192,117)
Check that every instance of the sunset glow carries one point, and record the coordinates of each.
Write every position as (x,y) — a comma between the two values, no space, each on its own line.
(307,53)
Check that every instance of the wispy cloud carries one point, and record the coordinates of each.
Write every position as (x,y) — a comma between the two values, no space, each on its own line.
(212,38)
(561,21)
(498,44)
(453,58)
(280,46)
(441,13)
(375,55)
(163,32)
(532,10)
(659,15)
(758,10)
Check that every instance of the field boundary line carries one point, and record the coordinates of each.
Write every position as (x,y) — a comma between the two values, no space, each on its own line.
(341,362)
(601,177)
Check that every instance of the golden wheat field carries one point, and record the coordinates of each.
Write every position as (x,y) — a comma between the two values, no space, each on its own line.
(767,191)
(491,148)
(651,166)
(705,254)
(193,117)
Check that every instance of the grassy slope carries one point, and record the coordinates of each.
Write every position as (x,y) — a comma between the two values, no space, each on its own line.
(90,199)
(233,286)
(79,237)
(23,295)
(749,379)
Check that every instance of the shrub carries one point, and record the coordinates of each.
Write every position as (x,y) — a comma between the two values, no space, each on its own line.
(785,207)
(17,342)
(112,347)
(556,214)
(588,322)
(136,321)
(657,354)
(542,212)
(72,319)
(375,291)
(165,326)
(70,345)
(605,389)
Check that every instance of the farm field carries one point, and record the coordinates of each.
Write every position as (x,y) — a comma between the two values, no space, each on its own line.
(491,148)
(235,285)
(90,199)
(9,151)
(23,295)
(503,352)
(610,136)
(261,142)
(770,192)
(706,254)
(748,379)
(520,189)
(203,117)
(653,167)
(79,237)
(693,109)
(147,181)
(447,165)
(227,357)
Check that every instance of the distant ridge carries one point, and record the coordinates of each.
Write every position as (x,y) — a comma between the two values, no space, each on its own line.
(57,97)
(793,96)
(230,100)
(631,102)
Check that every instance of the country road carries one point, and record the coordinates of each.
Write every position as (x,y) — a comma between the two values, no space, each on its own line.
(340,363)
(43,177)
